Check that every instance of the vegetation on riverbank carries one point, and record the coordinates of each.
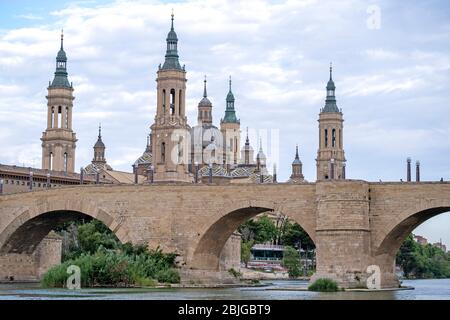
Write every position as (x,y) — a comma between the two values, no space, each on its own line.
(104,261)
(422,261)
(324,285)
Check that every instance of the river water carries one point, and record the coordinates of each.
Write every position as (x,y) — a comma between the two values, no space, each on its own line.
(424,289)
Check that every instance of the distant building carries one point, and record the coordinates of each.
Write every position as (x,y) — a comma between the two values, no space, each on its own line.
(420,240)
(441,246)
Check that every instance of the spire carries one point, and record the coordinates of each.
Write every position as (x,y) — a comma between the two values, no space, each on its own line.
(297,158)
(260,155)
(171,61)
(99,143)
(230,96)
(247,140)
(230,113)
(330,102)
(205,117)
(60,79)
(331,71)
(149,143)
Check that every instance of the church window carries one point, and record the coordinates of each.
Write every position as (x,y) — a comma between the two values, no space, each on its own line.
(172,101)
(59,118)
(65,161)
(333,137)
(340,138)
(179,102)
(164,100)
(163,152)
(50,162)
(52,124)
(67,118)
(326,138)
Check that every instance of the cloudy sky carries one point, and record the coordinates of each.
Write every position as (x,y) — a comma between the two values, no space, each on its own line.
(391,68)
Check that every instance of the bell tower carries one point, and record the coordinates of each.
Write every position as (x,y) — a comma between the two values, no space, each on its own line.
(230,127)
(59,140)
(330,156)
(170,131)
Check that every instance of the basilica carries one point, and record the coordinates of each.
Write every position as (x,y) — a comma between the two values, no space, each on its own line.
(176,151)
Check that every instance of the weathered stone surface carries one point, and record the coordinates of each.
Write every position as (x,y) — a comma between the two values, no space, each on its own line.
(353,223)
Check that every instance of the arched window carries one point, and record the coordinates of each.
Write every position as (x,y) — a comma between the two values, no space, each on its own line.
(172,101)
(60,124)
(179,102)
(333,137)
(340,138)
(52,123)
(50,161)
(163,152)
(65,161)
(326,138)
(164,100)
(180,150)
(67,118)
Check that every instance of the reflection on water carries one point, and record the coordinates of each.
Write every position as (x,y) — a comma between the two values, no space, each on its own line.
(424,289)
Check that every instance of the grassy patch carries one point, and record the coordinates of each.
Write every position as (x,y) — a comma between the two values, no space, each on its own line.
(324,285)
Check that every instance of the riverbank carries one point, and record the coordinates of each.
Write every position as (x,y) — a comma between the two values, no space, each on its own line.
(250,274)
(424,290)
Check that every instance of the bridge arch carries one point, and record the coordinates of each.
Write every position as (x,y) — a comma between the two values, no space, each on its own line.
(207,252)
(404,225)
(396,233)
(24,233)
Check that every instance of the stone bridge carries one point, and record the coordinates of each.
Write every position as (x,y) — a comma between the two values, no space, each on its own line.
(353,223)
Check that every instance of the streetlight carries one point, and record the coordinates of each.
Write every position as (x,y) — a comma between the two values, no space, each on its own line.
(48,180)
(81,175)
(196,171)
(31,181)
(210,172)
(135,174)
(1,186)
(152,169)
(97,176)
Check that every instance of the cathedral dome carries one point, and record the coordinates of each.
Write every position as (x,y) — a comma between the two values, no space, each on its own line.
(205,102)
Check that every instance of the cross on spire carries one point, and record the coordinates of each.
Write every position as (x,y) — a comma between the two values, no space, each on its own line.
(172,18)
(204,89)
(331,71)
(62,39)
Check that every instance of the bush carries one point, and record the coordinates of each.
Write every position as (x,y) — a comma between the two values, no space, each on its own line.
(168,276)
(324,285)
(106,267)
(234,273)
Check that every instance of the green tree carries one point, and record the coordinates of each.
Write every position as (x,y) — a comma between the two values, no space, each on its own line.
(419,261)
(87,238)
(246,253)
(266,230)
(291,260)
(294,235)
